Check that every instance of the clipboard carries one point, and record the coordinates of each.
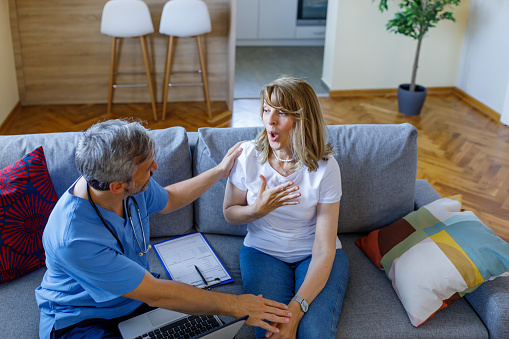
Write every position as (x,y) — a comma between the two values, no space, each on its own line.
(190,259)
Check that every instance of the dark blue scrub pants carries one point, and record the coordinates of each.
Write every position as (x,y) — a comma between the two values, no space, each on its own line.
(97,328)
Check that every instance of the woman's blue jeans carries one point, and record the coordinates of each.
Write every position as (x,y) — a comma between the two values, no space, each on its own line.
(279,281)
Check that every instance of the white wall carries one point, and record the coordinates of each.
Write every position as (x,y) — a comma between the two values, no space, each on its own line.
(330,49)
(9,96)
(484,68)
(361,54)
(505,111)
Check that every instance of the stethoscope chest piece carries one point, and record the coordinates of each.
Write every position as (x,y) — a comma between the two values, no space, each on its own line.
(148,248)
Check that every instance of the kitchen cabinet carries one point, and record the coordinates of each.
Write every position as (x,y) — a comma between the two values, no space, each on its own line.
(277,19)
(247,19)
(273,22)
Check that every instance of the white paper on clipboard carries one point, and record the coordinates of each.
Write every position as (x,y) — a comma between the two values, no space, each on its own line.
(180,255)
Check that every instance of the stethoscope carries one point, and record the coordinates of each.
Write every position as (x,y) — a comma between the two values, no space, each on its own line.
(145,248)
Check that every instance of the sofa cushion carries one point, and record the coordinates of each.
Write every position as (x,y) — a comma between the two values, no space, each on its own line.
(436,255)
(27,198)
(212,145)
(174,165)
(20,314)
(378,169)
(227,248)
(370,309)
(370,297)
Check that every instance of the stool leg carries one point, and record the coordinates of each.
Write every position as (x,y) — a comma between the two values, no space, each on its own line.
(143,40)
(112,72)
(204,75)
(167,70)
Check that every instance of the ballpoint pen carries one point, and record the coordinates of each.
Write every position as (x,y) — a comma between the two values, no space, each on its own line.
(201,276)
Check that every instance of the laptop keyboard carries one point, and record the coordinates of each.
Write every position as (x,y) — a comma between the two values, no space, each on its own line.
(185,328)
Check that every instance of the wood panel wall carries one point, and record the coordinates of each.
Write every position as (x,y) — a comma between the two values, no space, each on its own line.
(62,57)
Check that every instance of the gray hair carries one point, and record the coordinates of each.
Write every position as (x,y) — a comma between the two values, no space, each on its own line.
(110,151)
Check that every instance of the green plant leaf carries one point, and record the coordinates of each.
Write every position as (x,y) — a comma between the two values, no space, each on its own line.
(415,17)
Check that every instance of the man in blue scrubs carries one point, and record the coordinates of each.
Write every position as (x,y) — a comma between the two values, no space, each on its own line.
(97,237)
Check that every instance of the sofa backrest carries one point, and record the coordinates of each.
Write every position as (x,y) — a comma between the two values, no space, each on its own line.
(172,156)
(378,171)
(174,165)
(58,149)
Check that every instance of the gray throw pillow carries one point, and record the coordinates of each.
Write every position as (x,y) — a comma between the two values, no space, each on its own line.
(212,145)
(174,165)
(378,169)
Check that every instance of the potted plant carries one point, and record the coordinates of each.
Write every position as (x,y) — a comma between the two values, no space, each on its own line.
(414,19)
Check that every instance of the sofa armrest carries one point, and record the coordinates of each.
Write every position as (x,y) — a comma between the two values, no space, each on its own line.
(491,302)
(424,193)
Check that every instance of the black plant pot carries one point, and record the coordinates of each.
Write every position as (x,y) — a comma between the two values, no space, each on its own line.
(410,103)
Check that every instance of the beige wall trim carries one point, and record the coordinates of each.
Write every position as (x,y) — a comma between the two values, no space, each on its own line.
(232,37)
(363,93)
(4,127)
(477,104)
(384,92)
(16,44)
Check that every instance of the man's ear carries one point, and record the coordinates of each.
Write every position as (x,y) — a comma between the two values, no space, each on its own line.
(117,187)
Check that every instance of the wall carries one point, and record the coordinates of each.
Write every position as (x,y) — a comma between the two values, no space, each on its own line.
(484,67)
(8,86)
(361,54)
(62,57)
(505,111)
(330,49)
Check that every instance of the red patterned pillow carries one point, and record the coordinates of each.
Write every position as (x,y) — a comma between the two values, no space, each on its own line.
(27,197)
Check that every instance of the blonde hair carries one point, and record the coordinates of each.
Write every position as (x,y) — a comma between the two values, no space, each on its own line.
(298,100)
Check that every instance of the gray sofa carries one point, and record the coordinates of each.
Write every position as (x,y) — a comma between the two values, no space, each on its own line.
(378,165)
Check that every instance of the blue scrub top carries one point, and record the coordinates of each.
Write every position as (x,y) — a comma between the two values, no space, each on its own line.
(87,273)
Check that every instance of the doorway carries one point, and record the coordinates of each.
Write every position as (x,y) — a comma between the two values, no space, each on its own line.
(256,66)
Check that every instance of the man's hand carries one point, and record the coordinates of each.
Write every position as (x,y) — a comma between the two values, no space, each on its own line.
(225,166)
(259,309)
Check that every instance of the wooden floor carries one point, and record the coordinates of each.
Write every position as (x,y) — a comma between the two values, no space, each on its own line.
(461,151)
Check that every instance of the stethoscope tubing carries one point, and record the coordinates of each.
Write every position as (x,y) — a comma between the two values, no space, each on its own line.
(143,250)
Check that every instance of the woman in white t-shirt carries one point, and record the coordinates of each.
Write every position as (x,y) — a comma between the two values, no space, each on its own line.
(286,186)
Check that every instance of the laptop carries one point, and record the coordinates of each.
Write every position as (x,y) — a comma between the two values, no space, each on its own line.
(162,323)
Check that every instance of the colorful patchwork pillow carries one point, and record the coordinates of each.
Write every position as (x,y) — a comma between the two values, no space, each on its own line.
(436,255)
(27,197)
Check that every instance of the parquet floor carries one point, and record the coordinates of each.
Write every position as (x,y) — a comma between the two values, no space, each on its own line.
(461,151)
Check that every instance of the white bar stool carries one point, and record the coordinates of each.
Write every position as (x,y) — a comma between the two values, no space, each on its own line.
(128,19)
(185,18)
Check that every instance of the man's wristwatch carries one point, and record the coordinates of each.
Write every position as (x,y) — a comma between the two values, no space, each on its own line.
(303,303)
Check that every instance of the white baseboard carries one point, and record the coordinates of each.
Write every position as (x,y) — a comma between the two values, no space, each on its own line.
(277,42)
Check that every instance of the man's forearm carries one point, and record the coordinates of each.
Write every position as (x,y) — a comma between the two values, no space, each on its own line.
(181,297)
(191,300)
(185,192)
